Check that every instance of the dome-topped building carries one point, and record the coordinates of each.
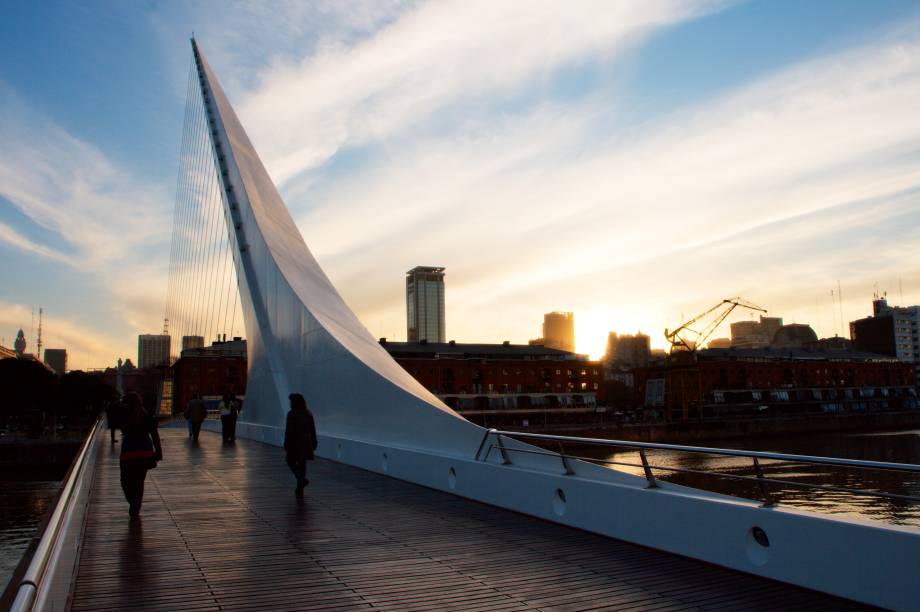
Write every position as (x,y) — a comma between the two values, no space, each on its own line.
(794,335)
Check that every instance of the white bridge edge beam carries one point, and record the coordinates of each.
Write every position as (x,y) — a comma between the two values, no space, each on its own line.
(370,413)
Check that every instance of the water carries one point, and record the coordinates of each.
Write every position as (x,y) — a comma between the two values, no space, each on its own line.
(22,507)
(898,447)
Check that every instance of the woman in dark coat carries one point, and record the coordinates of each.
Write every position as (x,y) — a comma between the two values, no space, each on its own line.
(140,450)
(299,440)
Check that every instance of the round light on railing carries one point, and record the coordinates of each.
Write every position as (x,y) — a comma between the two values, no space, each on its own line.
(757,546)
(760,536)
(559,502)
(452,479)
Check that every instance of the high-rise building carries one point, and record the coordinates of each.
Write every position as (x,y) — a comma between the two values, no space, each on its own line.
(152,350)
(425,304)
(56,359)
(192,342)
(755,334)
(559,331)
(891,330)
(627,351)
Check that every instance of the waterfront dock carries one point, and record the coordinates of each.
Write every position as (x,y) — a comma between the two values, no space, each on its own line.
(221,530)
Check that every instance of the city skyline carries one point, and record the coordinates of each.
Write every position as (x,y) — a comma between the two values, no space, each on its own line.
(786,167)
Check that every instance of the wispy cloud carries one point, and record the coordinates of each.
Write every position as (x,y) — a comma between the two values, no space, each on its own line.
(437,57)
(530,198)
(86,345)
(83,210)
(19,241)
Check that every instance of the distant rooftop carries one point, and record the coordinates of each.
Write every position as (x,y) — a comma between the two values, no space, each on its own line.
(456,350)
(235,347)
(426,270)
(817,353)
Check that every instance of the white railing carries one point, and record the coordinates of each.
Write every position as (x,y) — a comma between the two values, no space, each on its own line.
(764,483)
(46,582)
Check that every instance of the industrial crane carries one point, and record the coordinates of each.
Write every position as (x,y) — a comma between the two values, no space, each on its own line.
(681,339)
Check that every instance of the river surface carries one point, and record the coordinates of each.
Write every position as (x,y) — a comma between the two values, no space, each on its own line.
(22,506)
(897,447)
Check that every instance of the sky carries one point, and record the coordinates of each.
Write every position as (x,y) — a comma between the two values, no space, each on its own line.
(634,162)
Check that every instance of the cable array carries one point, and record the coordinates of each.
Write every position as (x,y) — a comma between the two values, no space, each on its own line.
(202,298)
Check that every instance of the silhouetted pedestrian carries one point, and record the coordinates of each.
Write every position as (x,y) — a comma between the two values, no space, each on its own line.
(196,412)
(299,440)
(113,416)
(229,410)
(140,450)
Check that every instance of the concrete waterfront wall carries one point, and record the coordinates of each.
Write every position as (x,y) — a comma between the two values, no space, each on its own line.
(372,414)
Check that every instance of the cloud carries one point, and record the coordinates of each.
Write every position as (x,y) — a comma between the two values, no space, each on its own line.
(86,345)
(436,57)
(19,241)
(69,187)
(83,210)
(516,204)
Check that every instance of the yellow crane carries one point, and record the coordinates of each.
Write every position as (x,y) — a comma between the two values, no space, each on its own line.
(687,338)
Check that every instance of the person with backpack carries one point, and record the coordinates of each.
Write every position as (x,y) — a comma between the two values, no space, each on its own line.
(299,440)
(196,412)
(140,451)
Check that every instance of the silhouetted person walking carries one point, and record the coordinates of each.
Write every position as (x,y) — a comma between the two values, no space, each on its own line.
(196,412)
(140,451)
(299,440)
(113,415)
(229,410)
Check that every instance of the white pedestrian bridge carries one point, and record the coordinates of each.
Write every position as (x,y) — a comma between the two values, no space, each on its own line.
(442,513)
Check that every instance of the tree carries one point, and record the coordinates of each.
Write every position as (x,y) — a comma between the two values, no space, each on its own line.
(82,396)
(28,390)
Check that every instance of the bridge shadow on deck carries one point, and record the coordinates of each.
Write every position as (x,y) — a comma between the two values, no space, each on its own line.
(221,530)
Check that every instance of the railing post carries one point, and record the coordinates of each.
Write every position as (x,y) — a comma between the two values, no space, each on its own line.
(485,437)
(649,476)
(565,461)
(501,448)
(769,500)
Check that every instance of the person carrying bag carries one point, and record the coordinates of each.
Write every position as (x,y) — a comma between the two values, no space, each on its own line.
(140,451)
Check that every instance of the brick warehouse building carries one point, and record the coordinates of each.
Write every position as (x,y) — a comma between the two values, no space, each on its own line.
(518,380)
(209,371)
(768,382)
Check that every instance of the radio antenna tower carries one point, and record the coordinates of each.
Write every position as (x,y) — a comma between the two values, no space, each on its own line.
(39,343)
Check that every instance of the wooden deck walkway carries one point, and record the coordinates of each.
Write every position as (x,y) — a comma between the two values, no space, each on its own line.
(221,530)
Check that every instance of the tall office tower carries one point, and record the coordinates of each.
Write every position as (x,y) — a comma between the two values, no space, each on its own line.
(152,350)
(56,359)
(425,304)
(559,331)
(192,342)
(891,330)
(627,351)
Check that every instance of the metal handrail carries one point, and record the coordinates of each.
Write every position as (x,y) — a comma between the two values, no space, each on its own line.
(752,479)
(759,478)
(876,465)
(32,580)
